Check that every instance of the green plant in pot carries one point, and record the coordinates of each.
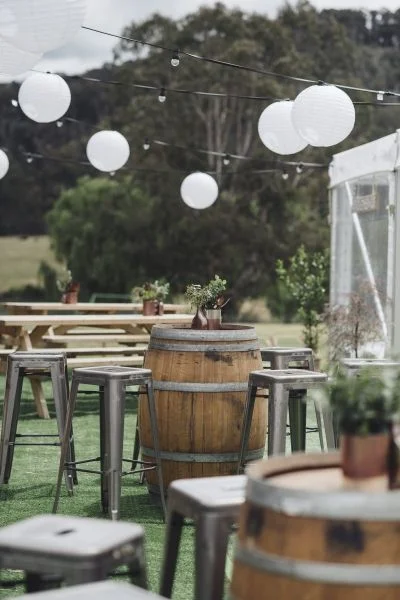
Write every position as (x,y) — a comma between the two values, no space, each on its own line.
(152,294)
(208,301)
(365,407)
(68,287)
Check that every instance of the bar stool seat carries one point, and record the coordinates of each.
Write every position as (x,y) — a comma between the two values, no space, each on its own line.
(52,549)
(285,357)
(112,382)
(20,364)
(214,504)
(102,590)
(279,383)
(354,365)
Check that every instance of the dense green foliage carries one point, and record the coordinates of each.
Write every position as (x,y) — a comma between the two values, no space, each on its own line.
(116,233)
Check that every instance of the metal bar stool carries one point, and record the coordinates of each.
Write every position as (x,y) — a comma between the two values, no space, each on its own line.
(103,590)
(112,382)
(279,383)
(282,357)
(55,549)
(354,365)
(213,503)
(20,364)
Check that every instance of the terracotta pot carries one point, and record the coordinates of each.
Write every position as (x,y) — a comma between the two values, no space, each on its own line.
(365,456)
(214,318)
(150,307)
(69,298)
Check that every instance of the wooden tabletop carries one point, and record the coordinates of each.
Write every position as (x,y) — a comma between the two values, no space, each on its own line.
(95,320)
(100,307)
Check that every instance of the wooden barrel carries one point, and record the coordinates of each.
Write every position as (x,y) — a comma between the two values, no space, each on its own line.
(304,536)
(200,383)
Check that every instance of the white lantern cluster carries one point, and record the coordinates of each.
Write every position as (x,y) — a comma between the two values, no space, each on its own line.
(108,150)
(199,190)
(321,115)
(4,164)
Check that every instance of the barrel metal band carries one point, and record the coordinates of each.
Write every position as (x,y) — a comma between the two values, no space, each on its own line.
(177,386)
(218,335)
(203,458)
(348,506)
(322,572)
(244,347)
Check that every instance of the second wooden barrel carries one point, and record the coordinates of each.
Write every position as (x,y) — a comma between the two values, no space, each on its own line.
(200,382)
(303,535)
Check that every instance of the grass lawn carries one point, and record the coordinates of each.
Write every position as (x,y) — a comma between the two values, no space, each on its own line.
(31,487)
(21,258)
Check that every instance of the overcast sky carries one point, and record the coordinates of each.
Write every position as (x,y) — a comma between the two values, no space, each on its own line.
(89,49)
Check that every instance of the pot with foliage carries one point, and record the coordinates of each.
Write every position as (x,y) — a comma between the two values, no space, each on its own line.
(365,407)
(208,301)
(68,287)
(152,294)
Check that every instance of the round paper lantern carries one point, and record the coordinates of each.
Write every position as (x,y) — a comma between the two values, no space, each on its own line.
(44,97)
(4,164)
(108,150)
(14,61)
(199,190)
(323,115)
(40,25)
(277,131)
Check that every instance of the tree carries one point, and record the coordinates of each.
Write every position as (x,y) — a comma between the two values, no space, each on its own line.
(306,278)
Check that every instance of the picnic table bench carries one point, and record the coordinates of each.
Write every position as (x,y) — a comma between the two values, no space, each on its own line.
(27,332)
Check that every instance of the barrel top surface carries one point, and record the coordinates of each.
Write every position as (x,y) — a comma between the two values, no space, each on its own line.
(228,332)
(312,485)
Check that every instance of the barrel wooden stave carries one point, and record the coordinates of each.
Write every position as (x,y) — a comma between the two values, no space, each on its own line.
(194,422)
(282,553)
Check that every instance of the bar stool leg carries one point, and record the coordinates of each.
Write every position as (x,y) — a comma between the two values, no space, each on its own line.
(212,534)
(104,454)
(320,427)
(331,432)
(65,395)
(114,404)
(12,403)
(298,419)
(65,440)
(137,571)
(171,548)
(154,433)
(58,385)
(247,418)
(278,401)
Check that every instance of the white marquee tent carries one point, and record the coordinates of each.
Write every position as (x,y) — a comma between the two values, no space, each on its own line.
(365,230)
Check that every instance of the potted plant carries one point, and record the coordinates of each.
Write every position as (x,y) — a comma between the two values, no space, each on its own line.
(68,287)
(152,294)
(208,301)
(365,407)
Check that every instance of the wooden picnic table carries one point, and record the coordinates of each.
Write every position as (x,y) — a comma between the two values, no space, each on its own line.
(44,308)
(27,331)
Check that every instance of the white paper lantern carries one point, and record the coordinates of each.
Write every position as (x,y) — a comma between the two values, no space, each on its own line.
(44,97)
(40,25)
(199,190)
(277,131)
(323,115)
(108,150)
(14,61)
(4,164)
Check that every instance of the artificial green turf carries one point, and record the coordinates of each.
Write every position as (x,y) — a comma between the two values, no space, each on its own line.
(32,485)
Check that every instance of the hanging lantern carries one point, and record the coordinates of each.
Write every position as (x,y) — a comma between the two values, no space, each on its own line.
(277,131)
(40,25)
(199,190)
(4,164)
(14,61)
(323,115)
(44,97)
(108,150)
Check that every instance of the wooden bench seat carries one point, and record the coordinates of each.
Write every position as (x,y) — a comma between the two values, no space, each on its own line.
(98,338)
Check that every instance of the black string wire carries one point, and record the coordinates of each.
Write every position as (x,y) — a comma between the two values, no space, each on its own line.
(240,66)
